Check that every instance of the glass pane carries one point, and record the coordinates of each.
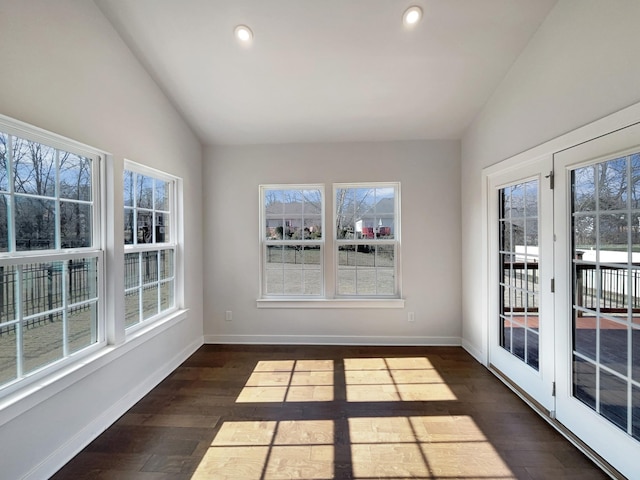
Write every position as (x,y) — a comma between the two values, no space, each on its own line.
(166,295)
(365,281)
(635,234)
(149,301)
(505,333)
(274,228)
(584,237)
(635,354)
(75,177)
(636,412)
(149,267)
(166,264)
(613,399)
(504,211)
(504,231)
(613,238)
(614,285)
(41,287)
(531,236)
(42,341)
(75,225)
(83,326)
(129,188)
(82,280)
(162,195)
(35,223)
(531,199)
(274,275)
(612,184)
(8,279)
(34,168)
(312,227)
(4,162)
(144,191)
(132,307)
(385,281)
(4,225)
(584,335)
(635,180)
(613,345)
(584,381)
(162,228)
(129,225)
(518,339)
(313,282)
(385,256)
(9,354)
(584,189)
(517,201)
(533,342)
(131,270)
(346,281)
(145,227)
(293,282)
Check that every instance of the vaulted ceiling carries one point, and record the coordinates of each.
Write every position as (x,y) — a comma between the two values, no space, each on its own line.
(326,70)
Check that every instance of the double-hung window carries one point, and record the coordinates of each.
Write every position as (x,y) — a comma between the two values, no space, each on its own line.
(364,241)
(292,240)
(51,260)
(150,243)
(367,240)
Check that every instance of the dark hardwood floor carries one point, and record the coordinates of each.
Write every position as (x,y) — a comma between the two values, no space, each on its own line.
(306,412)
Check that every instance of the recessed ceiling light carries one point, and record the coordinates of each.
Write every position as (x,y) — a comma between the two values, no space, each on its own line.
(411,16)
(243,33)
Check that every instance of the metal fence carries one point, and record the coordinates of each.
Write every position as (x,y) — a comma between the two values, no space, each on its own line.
(42,289)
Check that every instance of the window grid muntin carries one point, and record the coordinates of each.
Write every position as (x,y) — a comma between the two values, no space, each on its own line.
(302,244)
(358,242)
(629,208)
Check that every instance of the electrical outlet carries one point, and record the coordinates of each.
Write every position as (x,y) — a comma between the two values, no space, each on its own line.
(228,315)
(411,317)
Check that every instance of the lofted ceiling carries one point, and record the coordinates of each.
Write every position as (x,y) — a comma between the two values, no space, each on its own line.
(326,70)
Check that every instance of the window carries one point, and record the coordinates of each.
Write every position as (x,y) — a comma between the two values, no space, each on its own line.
(365,242)
(367,239)
(50,256)
(150,243)
(292,240)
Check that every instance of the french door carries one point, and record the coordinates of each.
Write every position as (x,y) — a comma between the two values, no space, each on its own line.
(521,344)
(597,307)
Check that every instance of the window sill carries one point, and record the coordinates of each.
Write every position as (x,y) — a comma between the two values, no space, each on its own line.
(32,394)
(330,303)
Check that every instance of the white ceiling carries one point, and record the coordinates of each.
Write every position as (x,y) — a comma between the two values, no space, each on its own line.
(326,70)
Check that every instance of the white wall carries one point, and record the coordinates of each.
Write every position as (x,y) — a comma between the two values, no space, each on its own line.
(429,172)
(580,66)
(64,69)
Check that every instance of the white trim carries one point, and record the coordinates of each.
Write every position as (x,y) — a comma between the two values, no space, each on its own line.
(71,448)
(330,303)
(19,402)
(331,340)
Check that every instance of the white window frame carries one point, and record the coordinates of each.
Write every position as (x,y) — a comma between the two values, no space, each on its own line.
(265,243)
(330,254)
(17,258)
(154,246)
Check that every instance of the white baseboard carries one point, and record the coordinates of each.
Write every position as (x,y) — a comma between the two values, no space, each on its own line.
(474,352)
(331,340)
(70,449)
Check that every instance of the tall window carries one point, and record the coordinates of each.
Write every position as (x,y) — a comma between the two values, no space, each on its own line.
(367,226)
(292,240)
(150,244)
(50,257)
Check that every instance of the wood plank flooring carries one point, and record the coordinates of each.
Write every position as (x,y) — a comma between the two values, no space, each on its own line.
(307,412)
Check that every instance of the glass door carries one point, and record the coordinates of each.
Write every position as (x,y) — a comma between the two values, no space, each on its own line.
(597,213)
(521,313)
